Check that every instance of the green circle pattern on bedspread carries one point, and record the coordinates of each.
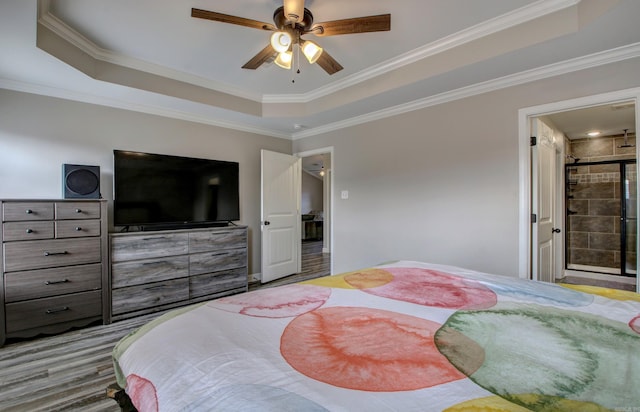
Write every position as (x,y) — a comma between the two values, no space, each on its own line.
(588,358)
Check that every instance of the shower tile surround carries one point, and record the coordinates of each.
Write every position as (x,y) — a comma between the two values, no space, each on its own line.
(593,223)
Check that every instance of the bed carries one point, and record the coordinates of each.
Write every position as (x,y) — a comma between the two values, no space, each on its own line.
(403,336)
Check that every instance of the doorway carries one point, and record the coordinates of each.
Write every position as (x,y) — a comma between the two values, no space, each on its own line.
(316,212)
(617,105)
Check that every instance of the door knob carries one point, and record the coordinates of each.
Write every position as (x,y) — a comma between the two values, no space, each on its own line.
(556,230)
(267,223)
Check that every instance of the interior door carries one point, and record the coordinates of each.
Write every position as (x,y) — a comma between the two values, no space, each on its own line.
(280,212)
(543,154)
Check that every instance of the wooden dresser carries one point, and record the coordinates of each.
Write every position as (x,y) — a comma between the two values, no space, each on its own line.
(154,271)
(53,265)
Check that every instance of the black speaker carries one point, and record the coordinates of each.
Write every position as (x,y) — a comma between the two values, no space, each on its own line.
(80,182)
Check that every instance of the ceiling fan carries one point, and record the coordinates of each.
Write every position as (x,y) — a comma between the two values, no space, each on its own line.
(291,22)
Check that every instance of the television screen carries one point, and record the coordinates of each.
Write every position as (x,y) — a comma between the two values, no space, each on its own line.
(161,190)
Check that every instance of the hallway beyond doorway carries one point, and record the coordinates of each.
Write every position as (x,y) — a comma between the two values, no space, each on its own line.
(315,264)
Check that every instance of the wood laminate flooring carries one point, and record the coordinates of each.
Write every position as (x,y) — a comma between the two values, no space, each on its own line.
(314,264)
(71,371)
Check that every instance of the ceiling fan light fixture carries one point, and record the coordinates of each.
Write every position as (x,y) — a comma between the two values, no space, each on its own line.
(284,60)
(311,51)
(281,41)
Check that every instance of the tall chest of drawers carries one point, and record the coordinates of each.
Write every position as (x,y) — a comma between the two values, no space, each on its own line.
(54,266)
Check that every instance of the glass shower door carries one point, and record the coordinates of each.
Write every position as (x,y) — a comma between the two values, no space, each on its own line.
(601,219)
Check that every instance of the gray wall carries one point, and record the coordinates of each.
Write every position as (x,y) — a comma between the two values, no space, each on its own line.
(311,196)
(39,134)
(441,184)
(444,190)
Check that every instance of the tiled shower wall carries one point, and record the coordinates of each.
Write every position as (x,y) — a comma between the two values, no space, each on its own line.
(594,195)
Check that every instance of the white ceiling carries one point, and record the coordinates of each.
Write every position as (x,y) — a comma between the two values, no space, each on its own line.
(151,56)
(608,120)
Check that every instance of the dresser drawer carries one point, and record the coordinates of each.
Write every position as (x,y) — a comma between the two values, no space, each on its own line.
(147,296)
(215,240)
(216,261)
(48,311)
(38,254)
(149,246)
(77,210)
(51,282)
(215,283)
(77,228)
(19,211)
(27,230)
(150,270)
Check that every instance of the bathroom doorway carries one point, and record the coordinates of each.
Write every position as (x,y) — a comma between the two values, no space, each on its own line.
(600,194)
(610,113)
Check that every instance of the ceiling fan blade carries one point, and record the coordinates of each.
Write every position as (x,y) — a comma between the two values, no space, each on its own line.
(263,56)
(367,24)
(226,18)
(328,63)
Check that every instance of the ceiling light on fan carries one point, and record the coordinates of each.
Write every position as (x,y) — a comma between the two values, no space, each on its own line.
(284,60)
(311,50)
(281,41)
(294,10)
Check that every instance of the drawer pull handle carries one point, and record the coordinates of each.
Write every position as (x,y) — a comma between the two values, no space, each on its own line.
(78,210)
(29,230)
(28,211)
(52,311)
(55,282)
(78,229)
(56,253)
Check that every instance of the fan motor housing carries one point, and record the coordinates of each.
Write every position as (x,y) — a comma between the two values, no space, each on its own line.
(281,21)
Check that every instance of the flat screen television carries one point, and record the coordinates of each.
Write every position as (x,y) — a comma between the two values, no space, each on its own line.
(154,191)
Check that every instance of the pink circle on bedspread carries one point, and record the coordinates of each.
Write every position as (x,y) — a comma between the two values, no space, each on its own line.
(433,288)
(635,324)
(142,393)
(281,302)
(366,349)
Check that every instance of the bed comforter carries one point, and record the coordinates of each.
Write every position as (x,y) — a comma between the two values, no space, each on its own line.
(405,336)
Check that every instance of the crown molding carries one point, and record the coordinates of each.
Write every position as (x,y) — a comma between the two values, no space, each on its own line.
(136,107)
(594,60)
(519,16)
(494,25)
(581,63)
(70,35)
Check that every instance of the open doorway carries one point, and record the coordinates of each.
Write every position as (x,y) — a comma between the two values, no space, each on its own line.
(596,185)
(315,209)
(312,258)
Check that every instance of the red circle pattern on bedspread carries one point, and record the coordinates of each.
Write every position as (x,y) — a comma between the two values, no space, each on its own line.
(378,350)
(366,349)
(635,324)
(425,287)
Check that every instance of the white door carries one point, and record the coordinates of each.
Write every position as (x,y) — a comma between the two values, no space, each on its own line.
(280,214)
(543,173)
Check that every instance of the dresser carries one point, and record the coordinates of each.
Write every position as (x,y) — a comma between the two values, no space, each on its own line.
(53,265)
(154,271)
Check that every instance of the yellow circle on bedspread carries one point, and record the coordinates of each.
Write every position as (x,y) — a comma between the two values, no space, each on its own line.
(498,404)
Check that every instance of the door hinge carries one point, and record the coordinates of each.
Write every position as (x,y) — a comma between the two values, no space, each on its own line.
(534,218)
(533,140)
